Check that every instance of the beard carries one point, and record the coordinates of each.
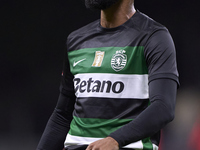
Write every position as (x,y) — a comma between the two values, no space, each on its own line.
(99,4)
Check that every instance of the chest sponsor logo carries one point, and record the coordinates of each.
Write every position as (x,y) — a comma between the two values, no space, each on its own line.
(98,86)
(118,61)
(99,55)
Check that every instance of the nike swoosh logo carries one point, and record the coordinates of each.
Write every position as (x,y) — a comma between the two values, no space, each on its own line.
(75,63)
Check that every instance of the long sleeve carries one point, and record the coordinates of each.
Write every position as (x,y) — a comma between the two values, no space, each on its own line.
(59,122)
(163,80)
(156,116)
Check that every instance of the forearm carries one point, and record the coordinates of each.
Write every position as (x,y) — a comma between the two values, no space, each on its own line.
(58,125)
(54,133)
(152,119)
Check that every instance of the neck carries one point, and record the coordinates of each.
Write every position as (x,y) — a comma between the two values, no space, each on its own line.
(117,14)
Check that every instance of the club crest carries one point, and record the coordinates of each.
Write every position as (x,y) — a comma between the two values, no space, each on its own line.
(118,61)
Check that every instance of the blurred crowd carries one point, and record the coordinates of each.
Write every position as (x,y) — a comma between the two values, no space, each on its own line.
(184,132)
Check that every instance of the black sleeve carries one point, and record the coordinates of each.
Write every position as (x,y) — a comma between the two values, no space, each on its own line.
(156,116)
(59,122)
(160,56)
(163,80)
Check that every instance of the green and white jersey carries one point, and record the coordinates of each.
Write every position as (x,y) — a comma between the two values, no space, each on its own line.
(111,69)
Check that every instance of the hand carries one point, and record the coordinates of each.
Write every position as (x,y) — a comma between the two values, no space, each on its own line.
(107,143)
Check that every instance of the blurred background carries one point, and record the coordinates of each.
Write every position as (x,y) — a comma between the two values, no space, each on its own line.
(32,43)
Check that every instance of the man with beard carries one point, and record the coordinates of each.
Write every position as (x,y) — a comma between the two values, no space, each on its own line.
(119,83)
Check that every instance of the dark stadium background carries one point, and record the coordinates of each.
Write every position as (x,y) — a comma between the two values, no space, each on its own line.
(32,42)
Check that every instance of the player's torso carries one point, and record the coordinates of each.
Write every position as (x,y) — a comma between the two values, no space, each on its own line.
(110,76)
(110,82)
